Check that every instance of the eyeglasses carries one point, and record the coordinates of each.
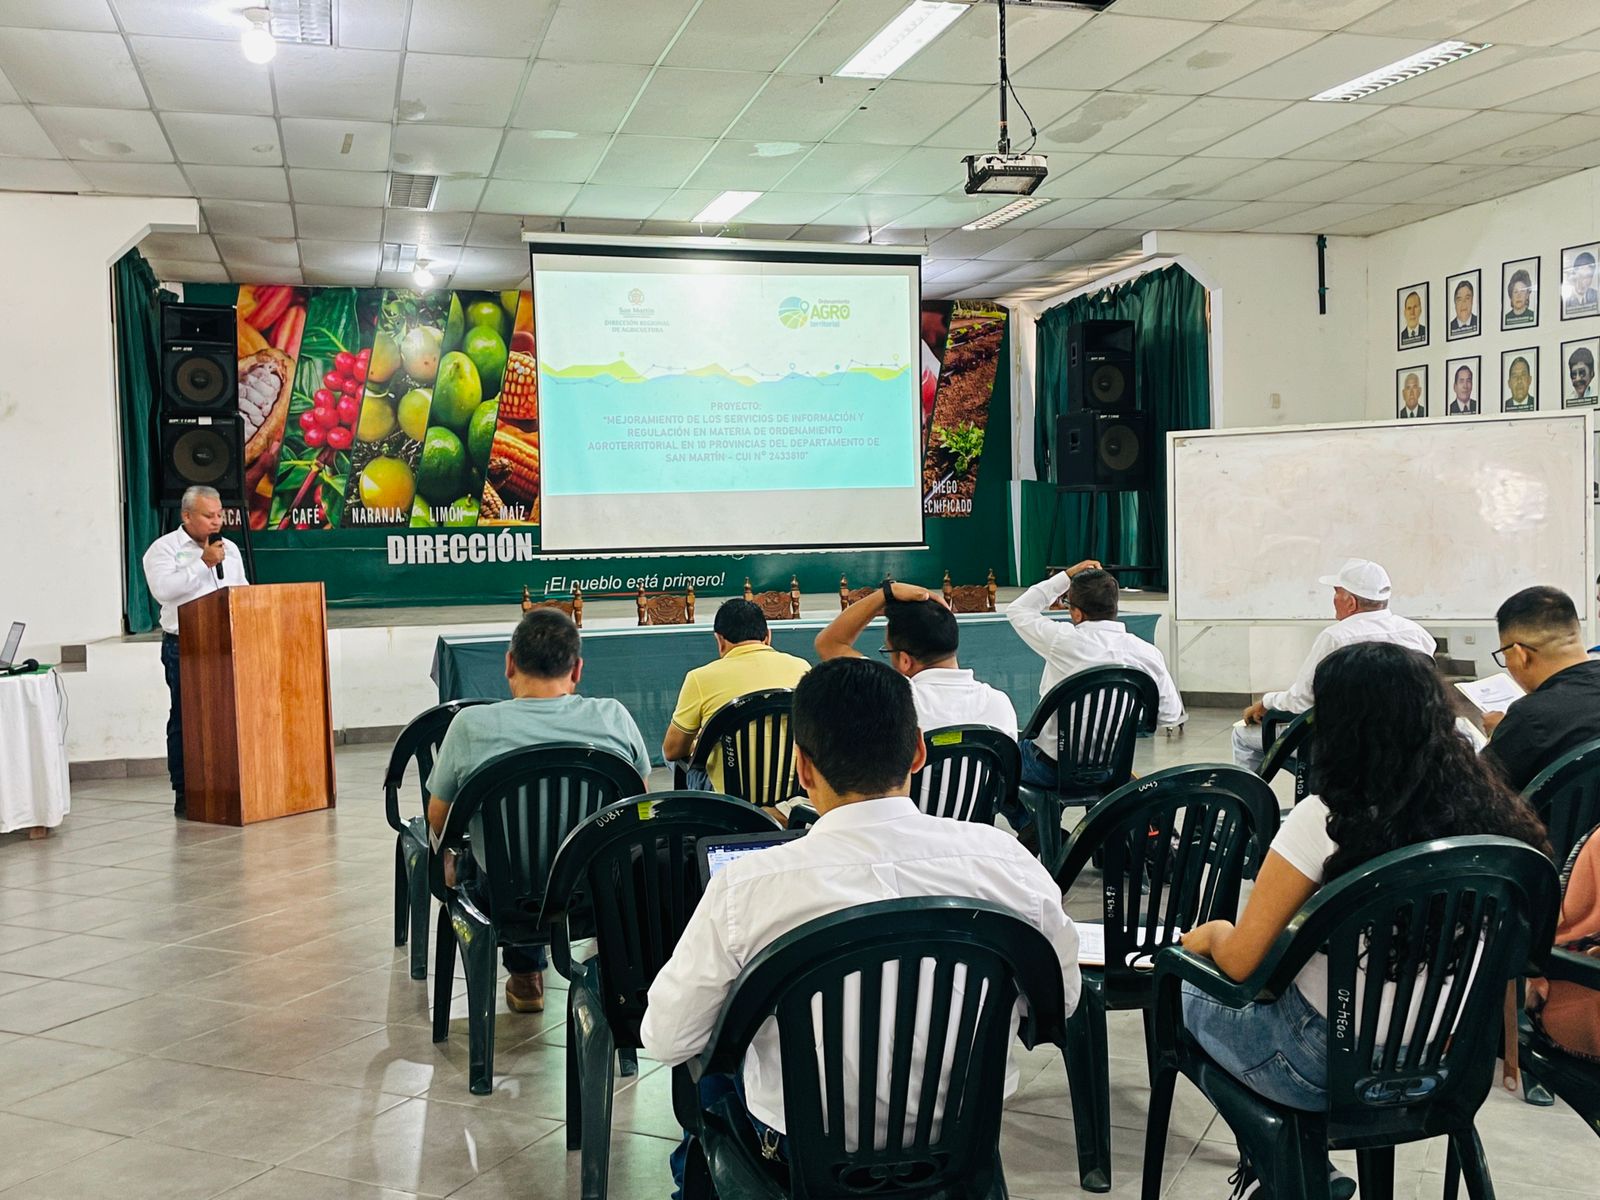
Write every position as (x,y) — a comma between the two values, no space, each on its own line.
(1499,655)
(888,651)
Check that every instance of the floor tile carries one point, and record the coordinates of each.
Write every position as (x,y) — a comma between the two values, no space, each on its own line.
(135,1170)
(148,1025)
(137,1094)
(34,1147)
(637,1168)
(31,1065)
(269,1042)
(68,954)
(58,1002)
(283,1184)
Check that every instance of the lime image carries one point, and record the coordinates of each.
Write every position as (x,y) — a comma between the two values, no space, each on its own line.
(457,392)
(442,466)
(487,313)
(414,408)
(487,350)
(480,434)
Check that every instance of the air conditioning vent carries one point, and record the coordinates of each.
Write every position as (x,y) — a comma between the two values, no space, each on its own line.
(412,191)
(399,256)
(306,22)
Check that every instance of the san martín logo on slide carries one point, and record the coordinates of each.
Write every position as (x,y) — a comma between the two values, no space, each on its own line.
(796,313)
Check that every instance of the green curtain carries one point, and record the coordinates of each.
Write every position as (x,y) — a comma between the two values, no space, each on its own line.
(1169,309)
(136,301)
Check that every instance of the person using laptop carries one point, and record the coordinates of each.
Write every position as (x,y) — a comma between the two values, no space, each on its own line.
(193,560)
(856,748)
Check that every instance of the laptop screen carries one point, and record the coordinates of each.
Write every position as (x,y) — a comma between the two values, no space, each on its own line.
(717,852)
(8,656)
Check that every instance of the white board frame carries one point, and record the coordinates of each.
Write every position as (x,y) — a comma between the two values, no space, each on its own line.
(1585,601)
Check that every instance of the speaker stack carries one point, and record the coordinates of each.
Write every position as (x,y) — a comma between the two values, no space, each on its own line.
(200,438)
(1103,442)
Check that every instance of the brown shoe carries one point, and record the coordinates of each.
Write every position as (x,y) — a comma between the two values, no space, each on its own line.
(525,991)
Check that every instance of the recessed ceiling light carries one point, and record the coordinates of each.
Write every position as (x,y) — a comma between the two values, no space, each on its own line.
(1009,213)
(897,42)
(399,257)
(1419,63)
(725,207)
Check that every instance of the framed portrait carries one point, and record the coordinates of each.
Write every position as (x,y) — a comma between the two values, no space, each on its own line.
(1411,392)
(1463,305)
(1519,380)
(1461,382)
(1519,293)
(1578,295)
(1577,372)
(1411,317)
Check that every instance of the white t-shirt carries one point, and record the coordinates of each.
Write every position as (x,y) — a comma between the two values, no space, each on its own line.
(947,696)
(1379,625)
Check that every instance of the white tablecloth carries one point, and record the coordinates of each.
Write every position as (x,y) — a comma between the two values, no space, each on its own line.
(33,752)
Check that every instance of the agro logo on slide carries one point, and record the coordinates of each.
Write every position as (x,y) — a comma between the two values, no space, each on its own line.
(795,313)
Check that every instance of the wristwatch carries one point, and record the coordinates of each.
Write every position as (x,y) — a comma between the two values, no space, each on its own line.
(888,589)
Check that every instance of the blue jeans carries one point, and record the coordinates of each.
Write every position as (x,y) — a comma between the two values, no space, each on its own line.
(1278,1050)
(519,960)
(714,1088)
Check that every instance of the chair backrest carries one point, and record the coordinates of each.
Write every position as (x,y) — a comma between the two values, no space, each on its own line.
(849,595)
(927,987)
(573,607)
(970,770)
(632,875)
(775,605)
(418,743)
(665,608)
(1098,714)
(1566,796)
(527,802)
(1440,926)
(1175,848)
(755,739)
(970,597)
(1293,742)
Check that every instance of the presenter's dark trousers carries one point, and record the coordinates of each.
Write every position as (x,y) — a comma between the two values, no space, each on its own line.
(169,664)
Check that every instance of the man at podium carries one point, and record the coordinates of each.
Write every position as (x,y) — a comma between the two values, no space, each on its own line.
(191,561)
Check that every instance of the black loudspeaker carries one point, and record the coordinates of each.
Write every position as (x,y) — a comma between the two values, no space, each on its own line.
(201,450)
(199,359)
(1100,373)
(1104,451)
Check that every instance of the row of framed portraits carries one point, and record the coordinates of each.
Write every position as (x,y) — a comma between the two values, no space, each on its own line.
(1461,395)
(1518,301)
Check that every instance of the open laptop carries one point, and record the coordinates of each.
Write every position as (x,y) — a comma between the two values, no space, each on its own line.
(8,655)
(721,849)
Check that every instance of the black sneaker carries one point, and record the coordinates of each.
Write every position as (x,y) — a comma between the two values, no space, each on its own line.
(1246,1185)
(1340,1185)
(179,808)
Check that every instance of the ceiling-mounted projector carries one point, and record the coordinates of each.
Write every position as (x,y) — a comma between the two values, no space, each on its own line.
(1005,174)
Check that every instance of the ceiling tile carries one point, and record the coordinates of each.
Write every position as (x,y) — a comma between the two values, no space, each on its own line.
(1431,19)
(1030,245)
(1097,245)
(978,128)
(792,208)
(833,167)
(842,234)
(179,271)
(1204,122)
(1107,119)
(1463,137)
(194,75)
(686,103)
(1505,181)
(755,34)
(933,212)
(39,175)
(23,137)
(1194,10)
(1188,177)
(1540,143)
(1266,181)
(846,29)
(1296,14)
(1385,129)
(426,228)
(578,97)
(1539,23)
(1318,219)
(105,134)
(651,161)
(526,155)
(1104,175)
(485,28)
(8,94)
(328,82)
(1422,184)
(1329,61)
(1388,218)
(1515,81)
(258,251)
(1219,56)
(1097,213)
(1287,130)
(224,140)
(60,14)
(748,166)
(247,219)
(527,199)
(491,229)
(1580,157)
(1581,95)
(334,223)
(1345,181)
(683,205)
(902,114)
(190,247)
(920,172)
(458,195)
(871,211)
(800,108)
(445,149)
(491,268)
(450,89)
(1108,48)
(54,66)
(240,183)
(594,31)
(135,179)
(1241,217)
(339,187)
(635,203)
(1413,90)
(969,51)
(321,144)
(371,24)
(176,19)
(340,264)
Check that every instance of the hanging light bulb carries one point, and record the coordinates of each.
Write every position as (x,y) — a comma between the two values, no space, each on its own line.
(257,41)
(422,276)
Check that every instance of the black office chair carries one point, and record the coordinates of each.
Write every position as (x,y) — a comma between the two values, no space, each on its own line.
(754,742)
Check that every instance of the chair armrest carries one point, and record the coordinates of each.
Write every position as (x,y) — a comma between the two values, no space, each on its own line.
(1034,726)
(1175,966)
(391,806)
(1567,966)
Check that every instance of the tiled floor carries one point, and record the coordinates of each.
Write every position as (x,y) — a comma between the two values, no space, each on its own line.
(191,1011)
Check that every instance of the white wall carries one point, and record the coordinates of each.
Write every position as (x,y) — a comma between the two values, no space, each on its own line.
(60,487)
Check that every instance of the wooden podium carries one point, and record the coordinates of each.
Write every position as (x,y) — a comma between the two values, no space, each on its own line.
(257,713)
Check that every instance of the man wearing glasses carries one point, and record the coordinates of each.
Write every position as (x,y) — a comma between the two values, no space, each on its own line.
(1541,648)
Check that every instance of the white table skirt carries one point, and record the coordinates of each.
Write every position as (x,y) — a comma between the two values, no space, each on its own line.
(33,752)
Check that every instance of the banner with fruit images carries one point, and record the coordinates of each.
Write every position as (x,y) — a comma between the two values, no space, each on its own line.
(372,408)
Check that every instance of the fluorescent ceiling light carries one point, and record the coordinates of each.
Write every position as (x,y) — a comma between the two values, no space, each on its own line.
(1009,213)
(1419,63)
(399,257)
(725,207)
(918,24)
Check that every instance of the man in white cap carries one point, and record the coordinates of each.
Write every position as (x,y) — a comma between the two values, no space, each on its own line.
(1361,604)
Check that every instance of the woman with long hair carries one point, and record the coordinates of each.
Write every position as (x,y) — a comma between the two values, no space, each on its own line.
(1391,771)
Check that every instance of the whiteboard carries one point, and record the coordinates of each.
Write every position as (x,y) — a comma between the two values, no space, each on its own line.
(1461,512)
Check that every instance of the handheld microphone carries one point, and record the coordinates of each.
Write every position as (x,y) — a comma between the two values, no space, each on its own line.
(214,538)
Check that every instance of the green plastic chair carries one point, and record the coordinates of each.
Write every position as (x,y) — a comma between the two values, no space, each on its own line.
(628,876)
(1575,1080)
(417,744)
(1385,1085)
(1175,847)
(1292,746)
(1566,795)
(525,803)
(959,1156)
(1098,713)
(755,740)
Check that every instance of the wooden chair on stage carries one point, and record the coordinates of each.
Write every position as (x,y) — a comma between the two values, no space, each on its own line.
(970,597)
(847,596)
(666,608)
(775,605)
(573,608)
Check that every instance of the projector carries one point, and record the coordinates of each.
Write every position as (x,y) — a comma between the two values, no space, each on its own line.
(1005,174)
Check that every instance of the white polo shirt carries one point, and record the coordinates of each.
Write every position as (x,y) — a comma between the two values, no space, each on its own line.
(176,574)
(951,696)
(1380,625)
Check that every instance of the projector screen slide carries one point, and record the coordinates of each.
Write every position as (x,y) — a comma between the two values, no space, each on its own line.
(700,403)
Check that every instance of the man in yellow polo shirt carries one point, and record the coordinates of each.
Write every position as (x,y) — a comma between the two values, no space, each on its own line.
(746,662)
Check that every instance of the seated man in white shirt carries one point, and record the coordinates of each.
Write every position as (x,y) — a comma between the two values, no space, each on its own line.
(920,642)
(1361,591)
(1095,638)
(857,747)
